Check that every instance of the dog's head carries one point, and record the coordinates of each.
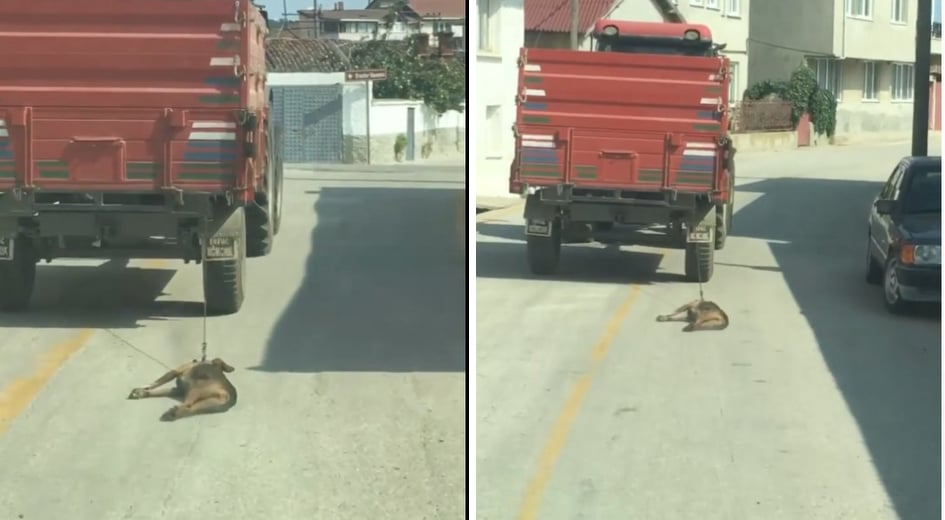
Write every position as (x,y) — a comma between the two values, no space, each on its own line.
(222,364)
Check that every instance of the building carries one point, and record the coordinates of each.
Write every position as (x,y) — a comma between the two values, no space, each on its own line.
(863,51)
(729,22)
(499,39)
(378,21)
(548,24)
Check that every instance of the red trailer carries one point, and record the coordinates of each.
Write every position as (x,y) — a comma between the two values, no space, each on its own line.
(136,129)
(628,144)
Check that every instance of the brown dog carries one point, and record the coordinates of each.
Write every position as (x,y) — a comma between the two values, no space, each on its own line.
(700,314)
(200,385)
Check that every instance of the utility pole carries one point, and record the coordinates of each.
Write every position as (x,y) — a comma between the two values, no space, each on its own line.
(575,16)
(920,97)
(315,18)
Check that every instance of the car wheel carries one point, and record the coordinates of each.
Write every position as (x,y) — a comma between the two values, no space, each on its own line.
(874,274)
(891,294)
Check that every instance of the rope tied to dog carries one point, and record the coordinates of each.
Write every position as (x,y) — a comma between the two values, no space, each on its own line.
(203,345)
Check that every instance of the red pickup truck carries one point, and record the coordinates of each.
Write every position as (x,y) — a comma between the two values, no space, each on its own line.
(628,144)
(136,129)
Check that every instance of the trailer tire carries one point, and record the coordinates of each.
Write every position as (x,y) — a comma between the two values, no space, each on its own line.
(224,280)
(722,220)
(18,277)
(544,253)
(260,225)
(700,262)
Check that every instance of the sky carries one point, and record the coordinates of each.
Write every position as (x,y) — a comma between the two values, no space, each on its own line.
(274,7)
(937,11)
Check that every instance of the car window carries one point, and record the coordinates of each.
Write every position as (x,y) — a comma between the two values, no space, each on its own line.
(889,188)
(924,191)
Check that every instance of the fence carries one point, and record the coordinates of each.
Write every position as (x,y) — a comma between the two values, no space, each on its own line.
(762,116)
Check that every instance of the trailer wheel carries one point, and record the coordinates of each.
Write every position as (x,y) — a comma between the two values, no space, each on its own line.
(223,280)
(18,277)
(544,252)
(722,220)
(700,262)
(260,227)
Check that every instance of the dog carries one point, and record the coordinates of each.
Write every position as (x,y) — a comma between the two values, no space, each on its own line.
(199,385)
(700,314)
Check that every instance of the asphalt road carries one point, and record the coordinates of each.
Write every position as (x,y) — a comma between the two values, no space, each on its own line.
(349,354)
(814,404)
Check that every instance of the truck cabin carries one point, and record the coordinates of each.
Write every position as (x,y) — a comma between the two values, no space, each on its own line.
(680,39)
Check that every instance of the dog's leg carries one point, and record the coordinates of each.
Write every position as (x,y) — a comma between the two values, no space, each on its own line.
(211,403)
(681,315)
(148,391)
(142,393)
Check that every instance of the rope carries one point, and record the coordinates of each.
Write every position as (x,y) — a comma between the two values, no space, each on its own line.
(203,345)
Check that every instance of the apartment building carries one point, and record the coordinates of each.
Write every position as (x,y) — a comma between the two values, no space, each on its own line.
(863,51)
(417,16)
(500,37)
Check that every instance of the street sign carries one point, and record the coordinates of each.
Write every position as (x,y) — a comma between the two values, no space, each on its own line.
(366,75)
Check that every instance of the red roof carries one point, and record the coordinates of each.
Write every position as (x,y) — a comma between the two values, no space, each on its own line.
(555,15)
(439,8)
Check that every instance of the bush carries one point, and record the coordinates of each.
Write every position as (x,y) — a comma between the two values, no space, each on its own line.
(804,95)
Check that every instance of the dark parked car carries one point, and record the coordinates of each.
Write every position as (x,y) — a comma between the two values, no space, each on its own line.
(904,251)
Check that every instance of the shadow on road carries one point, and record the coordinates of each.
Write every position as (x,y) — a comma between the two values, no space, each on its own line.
(111,295)
(384,287)
(887,368)
(579,262)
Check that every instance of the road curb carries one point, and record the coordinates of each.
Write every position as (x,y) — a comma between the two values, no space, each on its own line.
(506,208)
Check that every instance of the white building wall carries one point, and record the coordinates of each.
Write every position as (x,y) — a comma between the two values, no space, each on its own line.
(496,82)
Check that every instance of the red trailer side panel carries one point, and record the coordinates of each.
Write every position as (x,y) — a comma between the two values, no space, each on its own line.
(621,121)
(137,95)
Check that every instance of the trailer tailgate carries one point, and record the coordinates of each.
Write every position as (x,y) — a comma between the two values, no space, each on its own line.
(621,121)
(129,96)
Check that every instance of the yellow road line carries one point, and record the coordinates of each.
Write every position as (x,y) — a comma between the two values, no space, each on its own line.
(16,396)
(559,432)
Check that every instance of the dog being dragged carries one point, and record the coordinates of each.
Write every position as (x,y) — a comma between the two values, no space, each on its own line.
(201,387)
(700,314)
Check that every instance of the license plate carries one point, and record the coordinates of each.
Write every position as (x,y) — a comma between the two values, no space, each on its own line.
(540,228)
(6,249)
(699,235)
(220,248)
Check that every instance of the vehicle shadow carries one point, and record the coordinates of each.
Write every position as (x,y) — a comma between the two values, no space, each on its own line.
(579,262)
(108,296)
(887,367)
(384,288)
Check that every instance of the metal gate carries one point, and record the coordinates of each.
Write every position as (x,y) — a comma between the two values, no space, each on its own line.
(312,118)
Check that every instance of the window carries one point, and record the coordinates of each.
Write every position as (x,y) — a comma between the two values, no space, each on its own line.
(924,192)
(697,3)
(733,90)
(860,8)
(441,27)
(869,81)
(898,11)
(733,7)
(712,4)
(486,27)
(829,74)
(903,76)
(496,135)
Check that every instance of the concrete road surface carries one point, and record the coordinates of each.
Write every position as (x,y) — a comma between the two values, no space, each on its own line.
(814,404)
(349,355)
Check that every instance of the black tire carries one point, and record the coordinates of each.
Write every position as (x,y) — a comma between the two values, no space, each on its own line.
(721,226)
(892,298)
(544,253)
(874,273)
(700,262)
(224,280)
(277,193)
(264,216)
(18,277)
(731,199)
